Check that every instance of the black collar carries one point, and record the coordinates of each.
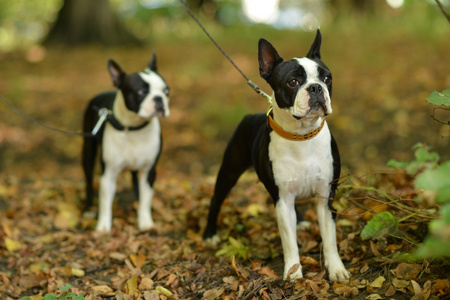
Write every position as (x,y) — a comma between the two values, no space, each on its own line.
(118,126)
(106,114)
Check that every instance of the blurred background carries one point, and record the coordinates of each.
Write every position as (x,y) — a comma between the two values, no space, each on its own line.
(386,58)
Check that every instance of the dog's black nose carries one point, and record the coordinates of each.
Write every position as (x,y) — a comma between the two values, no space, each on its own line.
(159,106)
(315,89)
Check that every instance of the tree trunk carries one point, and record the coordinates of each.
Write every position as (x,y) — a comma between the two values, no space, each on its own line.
(89,22)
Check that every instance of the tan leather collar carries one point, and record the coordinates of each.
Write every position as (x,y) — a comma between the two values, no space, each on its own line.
(289,135)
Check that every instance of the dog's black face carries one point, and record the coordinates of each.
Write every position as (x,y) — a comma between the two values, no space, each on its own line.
(302,86)
(145,93)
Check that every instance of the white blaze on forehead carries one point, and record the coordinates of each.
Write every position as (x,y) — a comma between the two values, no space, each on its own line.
(310,66)
(155,81)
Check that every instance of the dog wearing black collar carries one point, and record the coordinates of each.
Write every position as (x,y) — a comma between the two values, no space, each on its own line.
(130,139)
(293,153)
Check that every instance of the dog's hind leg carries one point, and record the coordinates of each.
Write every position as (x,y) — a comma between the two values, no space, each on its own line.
(235,161)
(134,180)
(89,154)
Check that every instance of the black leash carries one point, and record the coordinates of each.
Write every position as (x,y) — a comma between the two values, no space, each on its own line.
(249,82)
(39,123)
(104,114)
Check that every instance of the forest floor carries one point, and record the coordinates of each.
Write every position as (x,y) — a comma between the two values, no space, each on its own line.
(46,241)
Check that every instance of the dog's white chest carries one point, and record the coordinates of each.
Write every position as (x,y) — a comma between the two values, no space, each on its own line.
(131,150)
(302,169)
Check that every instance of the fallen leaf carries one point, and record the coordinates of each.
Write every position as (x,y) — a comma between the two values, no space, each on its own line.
(364,268)
(345,290)
(138,260)
(12,245)
(163,291)
(268,272)
(131,285)
(77,272)
(389,291)
(103,290)
(374,297)
(399,283)
(407,271)
(146,284)
(151,295)
(118,256)
(377,283)
(213,293)
(308,260)
(418,295)
(171,279)
(441,286)
(292,270)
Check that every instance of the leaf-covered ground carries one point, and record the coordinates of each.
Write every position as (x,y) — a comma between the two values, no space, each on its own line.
(381,81)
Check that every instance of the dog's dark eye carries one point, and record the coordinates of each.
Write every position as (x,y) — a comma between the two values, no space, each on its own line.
(166,91)
(142,92)
(293,83)
(327,80)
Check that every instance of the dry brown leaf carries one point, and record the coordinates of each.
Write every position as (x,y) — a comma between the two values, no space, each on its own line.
(441,287)
(418,295)
(364,268)
(103,290)
(131,285)
(344,290)
(163,291)
(308,260)
(151,295)
(118,256)
(407,271)
(378,282)
(292,270)
(146,284)
(374,297)
(12,245)
(400,284)
(268,272)
(213,293)
(171,279)
(138,260)
(390,291)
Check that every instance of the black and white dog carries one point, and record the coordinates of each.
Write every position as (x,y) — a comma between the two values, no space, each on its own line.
(292,151)
(130,139)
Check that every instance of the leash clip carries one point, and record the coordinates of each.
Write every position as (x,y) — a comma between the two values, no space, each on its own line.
(103,114)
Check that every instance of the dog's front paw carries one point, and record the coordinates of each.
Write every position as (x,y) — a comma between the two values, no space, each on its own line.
(293,273)
(145,224)
(337,272)
(103,226)
(214,240)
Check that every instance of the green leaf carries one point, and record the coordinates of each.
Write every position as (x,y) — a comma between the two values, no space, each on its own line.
(25,298)
(51,297)
(437,98)
(380,225)
(78,297)
(65,287)
(235,248)
(437,180)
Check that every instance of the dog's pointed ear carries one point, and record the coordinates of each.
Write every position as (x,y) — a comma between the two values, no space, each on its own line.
(314,51)
(116,72)
(268,58)
(152,64)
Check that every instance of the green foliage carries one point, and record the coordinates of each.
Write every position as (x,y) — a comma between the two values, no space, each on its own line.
(436,180)
(437,98)
(433,183)
(424,159)
(234,248)
(380,225)
(64,296)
